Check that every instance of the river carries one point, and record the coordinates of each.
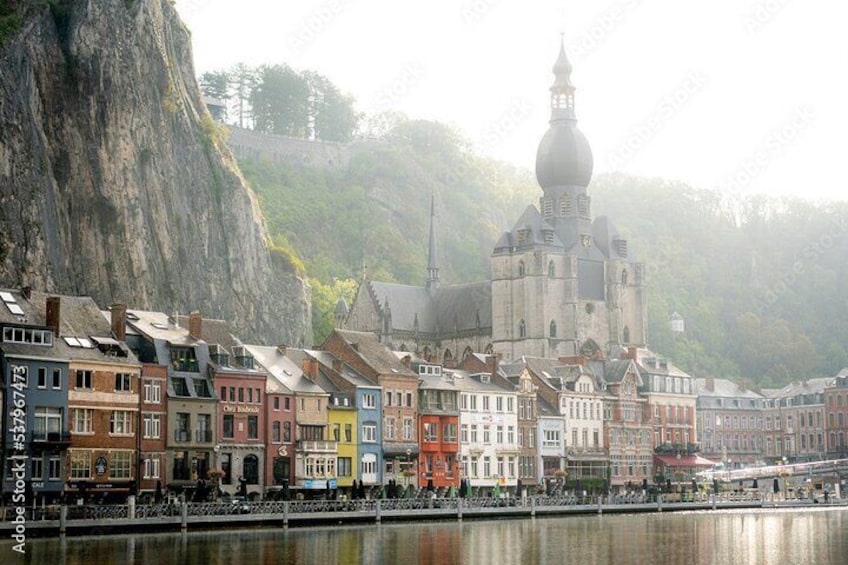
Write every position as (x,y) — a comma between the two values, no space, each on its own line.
(773,537)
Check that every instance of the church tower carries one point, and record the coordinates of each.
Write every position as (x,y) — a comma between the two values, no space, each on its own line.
(563,284)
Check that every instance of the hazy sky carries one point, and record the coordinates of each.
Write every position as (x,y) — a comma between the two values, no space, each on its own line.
(741,95)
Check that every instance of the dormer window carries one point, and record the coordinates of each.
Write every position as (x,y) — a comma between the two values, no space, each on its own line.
(523,236)
(549,237)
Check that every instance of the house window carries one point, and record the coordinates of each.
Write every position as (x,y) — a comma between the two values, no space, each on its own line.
(151,468)
(368,401)
(82,420)
(123,382)
(431,433)
(250,469)
(344,466)
(83,379)
(80,465)
(120,465)
(48,420)
(275,432)
(369,432)
(120,423)
(449,433)
(55,468)
(37,468)
(348,433)
(287,432)
(152,392)
(42,377)
(277,403)
(407,429)
(152,426)
(228,426)
(57,379)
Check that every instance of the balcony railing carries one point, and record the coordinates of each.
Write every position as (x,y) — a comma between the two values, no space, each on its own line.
(203,436)
(182,436)
(315,446)
(56,438)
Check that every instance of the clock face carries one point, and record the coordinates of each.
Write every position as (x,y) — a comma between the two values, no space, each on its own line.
(586,240)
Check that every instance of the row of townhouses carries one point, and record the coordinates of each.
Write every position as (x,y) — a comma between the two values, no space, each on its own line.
(110,403)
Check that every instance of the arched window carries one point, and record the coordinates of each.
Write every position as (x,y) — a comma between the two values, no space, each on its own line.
(551,269)
(250,469)
(467,353)
(625,335)
(521,269)
(552,329)
(490,349)
(840,420)
(522,329)
(447,355)
(426,353)
(831,420)
(624,276)
(565,206)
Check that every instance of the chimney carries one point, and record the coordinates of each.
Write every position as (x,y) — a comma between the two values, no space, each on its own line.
(310,366)
(710,382)
(119,321)
(631,351)
(26,292)
(281,349)
(195,325)
(53,313)
(493,362)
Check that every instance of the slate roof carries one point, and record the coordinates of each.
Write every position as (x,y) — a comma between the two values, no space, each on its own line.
(615,371)
(284,368)
(79,316)
(464,307)
(723,388)
(377,355)
(158,325)
(217,332)
(406,303)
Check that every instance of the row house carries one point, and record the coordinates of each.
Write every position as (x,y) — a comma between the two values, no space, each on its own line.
(836,402)
(488,425)
(239,426)
(279,433)
(103,401)
(191,407)
(399,384)
(627,429)
(438,427)
(730,420)
(34,361)
(795,421)
(366,465)
(671,400)
(517,377)
(341,421)
(315,454)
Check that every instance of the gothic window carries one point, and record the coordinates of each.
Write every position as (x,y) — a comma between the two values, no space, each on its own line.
(467,353)
(553,328)
(522,329)
(625,335)
(521,269)
(551,269)
(565,206)
(624,276)
(447,355)
(490,349)
(426,353)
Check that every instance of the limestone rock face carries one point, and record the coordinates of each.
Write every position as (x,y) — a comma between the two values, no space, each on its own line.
(115,182)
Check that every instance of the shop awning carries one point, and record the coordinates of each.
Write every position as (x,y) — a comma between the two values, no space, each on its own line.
(683,461)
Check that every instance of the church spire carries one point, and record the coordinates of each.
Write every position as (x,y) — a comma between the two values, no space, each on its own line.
(432,268)
(562,90)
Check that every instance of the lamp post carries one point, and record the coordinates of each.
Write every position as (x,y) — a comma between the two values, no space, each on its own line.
(784,473)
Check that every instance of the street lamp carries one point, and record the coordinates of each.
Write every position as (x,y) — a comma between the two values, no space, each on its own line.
(784,472)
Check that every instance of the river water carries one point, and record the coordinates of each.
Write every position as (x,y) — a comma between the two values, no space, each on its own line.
(773,537)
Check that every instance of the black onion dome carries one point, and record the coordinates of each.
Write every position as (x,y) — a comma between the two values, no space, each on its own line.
(564,157)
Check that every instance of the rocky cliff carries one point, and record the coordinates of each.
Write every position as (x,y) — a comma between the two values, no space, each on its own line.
(114,181)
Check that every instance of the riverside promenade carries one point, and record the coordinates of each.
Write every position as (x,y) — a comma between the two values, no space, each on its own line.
(116,519)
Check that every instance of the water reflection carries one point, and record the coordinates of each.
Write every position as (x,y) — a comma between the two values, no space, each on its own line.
(774,537)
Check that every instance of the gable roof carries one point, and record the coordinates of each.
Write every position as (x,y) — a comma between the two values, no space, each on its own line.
(374,353)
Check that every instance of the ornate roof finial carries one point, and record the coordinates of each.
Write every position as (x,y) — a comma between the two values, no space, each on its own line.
(562,90)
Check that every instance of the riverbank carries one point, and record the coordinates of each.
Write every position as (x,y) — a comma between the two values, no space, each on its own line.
(118,519)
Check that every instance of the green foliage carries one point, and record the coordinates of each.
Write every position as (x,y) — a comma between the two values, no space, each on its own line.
(214,134)
(10,22)
(284,256)
(324,300)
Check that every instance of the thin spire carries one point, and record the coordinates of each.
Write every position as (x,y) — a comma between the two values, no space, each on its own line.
(562,90)
(432,268)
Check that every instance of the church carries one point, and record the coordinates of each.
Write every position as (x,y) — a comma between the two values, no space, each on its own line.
(562,283)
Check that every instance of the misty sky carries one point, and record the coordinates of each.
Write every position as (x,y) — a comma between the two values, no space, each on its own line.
(745,96)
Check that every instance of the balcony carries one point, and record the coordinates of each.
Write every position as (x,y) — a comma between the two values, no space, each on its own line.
(203,436)
(51,439)
(182,436)
(315,446)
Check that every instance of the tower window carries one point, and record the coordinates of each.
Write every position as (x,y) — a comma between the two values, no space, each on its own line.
(551,269)
(549,237)
(621,247)
(522,329)
(624,276)
(583,205)
(521,269)
(547,207)
(625,335)
(565,206)
(553,329)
